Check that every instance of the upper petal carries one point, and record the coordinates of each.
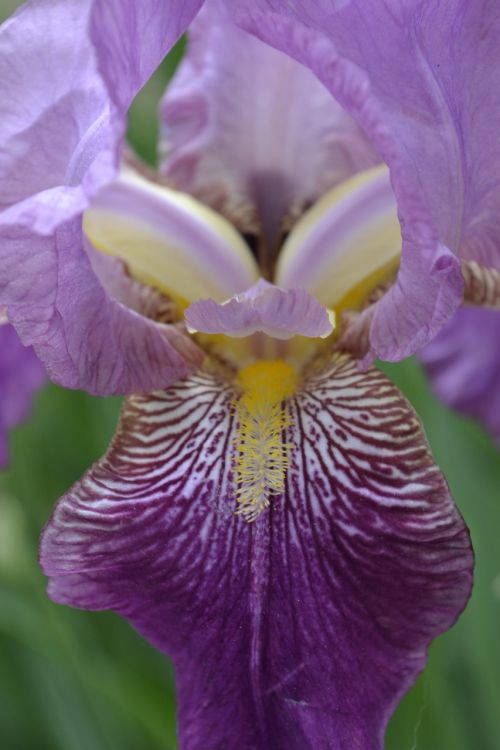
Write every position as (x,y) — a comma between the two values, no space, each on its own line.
(55,112)
(420,77)
(264,307)
(21,373)
(463,363)
(132,37)
(252,132)
(301,629)
(68,71)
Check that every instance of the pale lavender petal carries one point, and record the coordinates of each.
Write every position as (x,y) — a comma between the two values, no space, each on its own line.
(304,628)
(346,244)
(55,113)
(421,79)
(21,374)
(264,307)
(83,335)
(170,240)
(463,363)
(61,128)
(133,36)
(252,132)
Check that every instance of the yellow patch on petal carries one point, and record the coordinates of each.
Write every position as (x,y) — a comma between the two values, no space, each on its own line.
(262,456)
(191,253)
(357,227)
(357,296)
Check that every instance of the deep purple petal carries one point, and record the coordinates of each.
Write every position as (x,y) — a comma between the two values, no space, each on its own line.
(264,307)
(62,113)
(463,363)
(421,78)
(302,629)
(21,373)
(252,132)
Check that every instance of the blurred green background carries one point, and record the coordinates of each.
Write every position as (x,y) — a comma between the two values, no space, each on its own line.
(75,680)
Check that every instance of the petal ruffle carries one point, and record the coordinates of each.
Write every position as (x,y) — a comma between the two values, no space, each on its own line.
(463,363)
(303,628)
(59,115)
(21,373)
(250,131)
(421,79)
(262,308)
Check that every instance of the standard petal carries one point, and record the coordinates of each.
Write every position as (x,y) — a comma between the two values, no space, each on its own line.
(62,112)
(265,308)
(21,373)
(420,77)
(170,240)
(302,629)
(250,131)
(133,36)
(463,363)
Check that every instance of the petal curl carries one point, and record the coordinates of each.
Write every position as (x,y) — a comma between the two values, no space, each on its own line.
(250,131)
(170,240)
(83,335)
(420,78)
(21,374)
(266,308)
(346,243)
(304,628)
(62,111)
(463,363)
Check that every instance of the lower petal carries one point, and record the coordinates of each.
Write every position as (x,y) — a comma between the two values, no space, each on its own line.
(303,628)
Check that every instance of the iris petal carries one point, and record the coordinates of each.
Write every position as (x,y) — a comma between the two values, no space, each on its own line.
(250,131)
(463,363)
(303,628)
(266,308)
(21,374)
(420,77)
(346,243)
(170,240)
(67,72)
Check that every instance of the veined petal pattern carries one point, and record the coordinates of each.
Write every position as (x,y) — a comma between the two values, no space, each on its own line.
(303,628)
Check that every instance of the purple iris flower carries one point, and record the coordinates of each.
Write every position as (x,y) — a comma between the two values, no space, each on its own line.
(463,363)
(21,373)
(267,514)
